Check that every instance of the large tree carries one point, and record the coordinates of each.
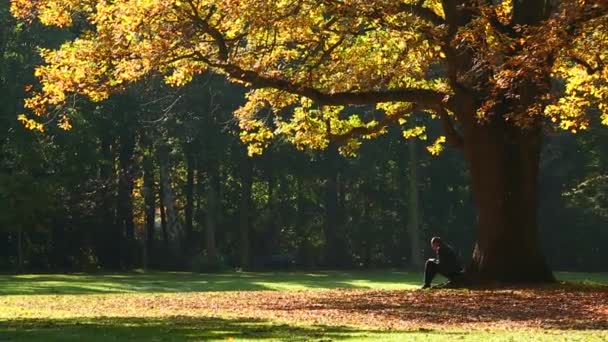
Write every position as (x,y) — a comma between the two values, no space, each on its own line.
(497,73)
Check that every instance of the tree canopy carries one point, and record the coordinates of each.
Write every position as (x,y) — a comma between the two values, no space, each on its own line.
(315,57)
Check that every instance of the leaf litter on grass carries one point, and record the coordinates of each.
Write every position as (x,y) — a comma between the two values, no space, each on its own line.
(554,308)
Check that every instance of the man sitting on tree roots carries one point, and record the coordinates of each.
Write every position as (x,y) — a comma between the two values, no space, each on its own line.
(446,263)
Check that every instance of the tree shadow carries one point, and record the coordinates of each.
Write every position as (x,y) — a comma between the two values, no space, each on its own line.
(192,282)
(563,308)
(170,329)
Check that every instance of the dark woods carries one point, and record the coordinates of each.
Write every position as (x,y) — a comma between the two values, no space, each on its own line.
(157,178)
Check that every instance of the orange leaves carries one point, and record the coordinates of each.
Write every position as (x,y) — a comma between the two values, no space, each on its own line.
(548,308)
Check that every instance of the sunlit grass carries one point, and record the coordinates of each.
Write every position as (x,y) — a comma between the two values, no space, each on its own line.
(233,281)
(33,308)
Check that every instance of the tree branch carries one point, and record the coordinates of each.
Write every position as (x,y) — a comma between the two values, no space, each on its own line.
(203,24)
(590,69)
(453,137)
(423,97)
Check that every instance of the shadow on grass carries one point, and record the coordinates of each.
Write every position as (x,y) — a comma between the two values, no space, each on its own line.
(561,307)
(242,281)
(192,282)
(171,329)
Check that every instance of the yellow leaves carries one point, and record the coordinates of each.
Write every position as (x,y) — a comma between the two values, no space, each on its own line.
(415,132)
(437,146)
(64,123)
(30,124)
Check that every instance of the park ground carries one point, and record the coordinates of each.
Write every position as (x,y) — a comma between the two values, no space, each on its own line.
(295,306)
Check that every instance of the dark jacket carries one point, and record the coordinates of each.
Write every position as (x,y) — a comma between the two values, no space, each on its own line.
(448,260)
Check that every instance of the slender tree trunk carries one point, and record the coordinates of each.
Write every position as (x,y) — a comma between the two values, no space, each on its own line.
(125,197)
(174,228)
(149,207)
(163,214)
(413,226)
(504,168)
(244,210)
(334,242)
(108,234)
(20,258)
(189,208)
(212,210)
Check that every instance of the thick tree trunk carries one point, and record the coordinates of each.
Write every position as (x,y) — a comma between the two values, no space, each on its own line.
(504,169)
(413,225)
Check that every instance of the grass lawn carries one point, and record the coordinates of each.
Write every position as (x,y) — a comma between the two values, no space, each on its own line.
(293,306)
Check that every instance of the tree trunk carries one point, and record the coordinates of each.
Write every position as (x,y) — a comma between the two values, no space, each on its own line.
(504,169)
(334,241)
(108,234)
(163,214)
(174,228)
(244,210)
(189,209)
(212,210)
(124,210)
(20,250)
(413,225)
(149,207)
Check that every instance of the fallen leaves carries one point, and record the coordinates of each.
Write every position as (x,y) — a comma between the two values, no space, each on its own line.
(559,308)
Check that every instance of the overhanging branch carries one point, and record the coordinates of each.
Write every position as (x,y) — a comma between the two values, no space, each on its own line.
(424,97)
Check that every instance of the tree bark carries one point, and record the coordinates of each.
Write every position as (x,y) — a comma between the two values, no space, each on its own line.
(189,209)
(335,250)
(108,234)
(163,214)
(20,253)
(244,210)
(174,228)
(413,225)
(124,211)
(149,207)
(504,164)
(212,210)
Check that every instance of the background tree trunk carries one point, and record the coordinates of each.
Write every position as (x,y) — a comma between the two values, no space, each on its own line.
(124,208)
(189,208)
(413,225)
(149,207)
(174,228)
(212,210)
(244,210)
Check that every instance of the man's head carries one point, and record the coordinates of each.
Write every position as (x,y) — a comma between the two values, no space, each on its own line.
(435,243)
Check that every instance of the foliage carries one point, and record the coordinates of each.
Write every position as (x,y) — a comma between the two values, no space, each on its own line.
(313,57)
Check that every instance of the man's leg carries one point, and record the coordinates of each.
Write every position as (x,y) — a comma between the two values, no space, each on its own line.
(430,269)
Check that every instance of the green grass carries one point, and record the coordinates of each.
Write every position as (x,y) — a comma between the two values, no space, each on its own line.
(235,281)
(217,329)
(192,282)
(45,326)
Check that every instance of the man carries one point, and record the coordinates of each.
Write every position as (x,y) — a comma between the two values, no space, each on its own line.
(446,263)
